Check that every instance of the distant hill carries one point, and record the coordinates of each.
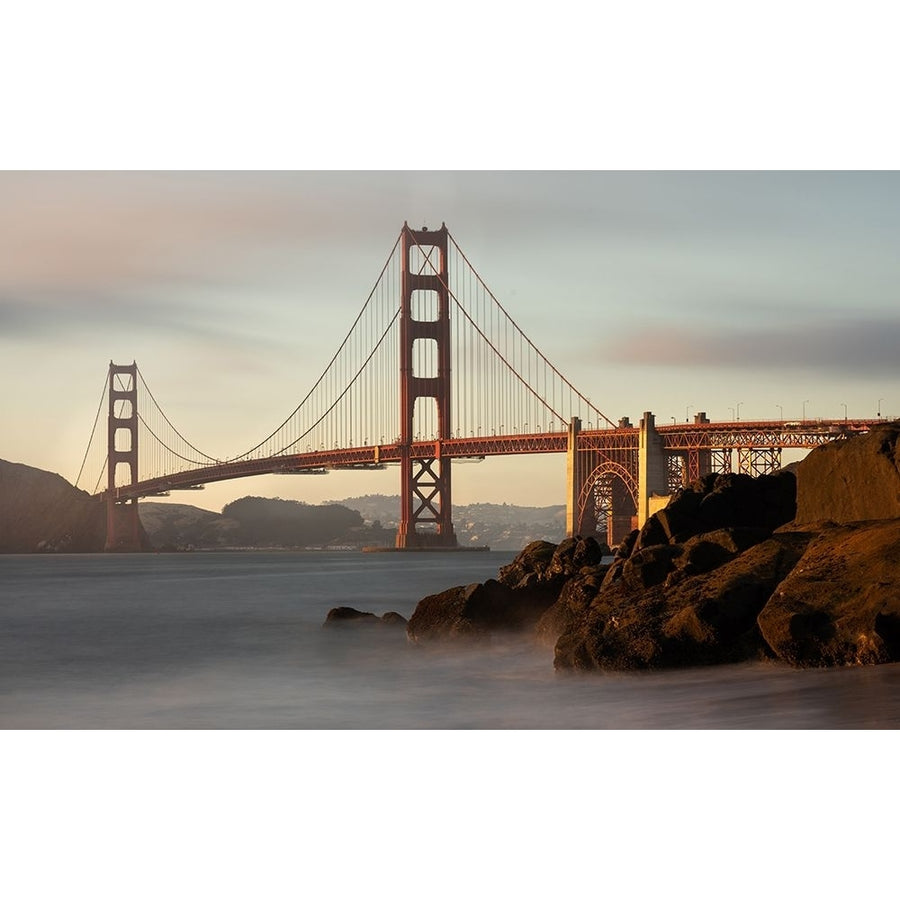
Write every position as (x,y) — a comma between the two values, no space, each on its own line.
(355,522)
(40,512)
(173,526)
(258,522)
(264,522)
(500,526)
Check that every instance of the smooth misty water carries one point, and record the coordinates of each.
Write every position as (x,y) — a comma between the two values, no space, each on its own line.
(234,640)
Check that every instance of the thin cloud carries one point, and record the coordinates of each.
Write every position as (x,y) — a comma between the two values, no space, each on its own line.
(842,346)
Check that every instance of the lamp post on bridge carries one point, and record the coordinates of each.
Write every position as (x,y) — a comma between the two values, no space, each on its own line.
(780,411)
(845,411)
(803,417)
(879,406)
(731,410)
(738,411)
(687,412)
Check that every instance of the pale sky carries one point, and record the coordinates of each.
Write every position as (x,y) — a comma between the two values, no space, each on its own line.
(670,292)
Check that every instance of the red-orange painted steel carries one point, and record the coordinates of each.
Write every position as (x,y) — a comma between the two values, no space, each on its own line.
(122,523)
(424,480)
(682,437)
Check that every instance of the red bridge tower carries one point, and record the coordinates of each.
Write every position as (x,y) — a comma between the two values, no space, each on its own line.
(425,480)
(123,530)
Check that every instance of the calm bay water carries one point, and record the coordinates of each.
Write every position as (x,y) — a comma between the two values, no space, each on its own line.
(234,641)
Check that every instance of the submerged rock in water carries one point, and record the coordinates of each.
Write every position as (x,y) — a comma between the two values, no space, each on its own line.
(347,615)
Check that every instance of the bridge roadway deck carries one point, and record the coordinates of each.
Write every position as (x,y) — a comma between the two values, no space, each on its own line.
(702,436)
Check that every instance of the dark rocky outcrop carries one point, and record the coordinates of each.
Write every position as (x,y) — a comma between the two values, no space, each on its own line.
(736,568)
(478,610)
(800,568)
(574,598)
(523,592)
(690,620)
(348,616)
(40,512)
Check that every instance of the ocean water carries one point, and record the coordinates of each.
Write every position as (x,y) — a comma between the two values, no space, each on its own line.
(235,641)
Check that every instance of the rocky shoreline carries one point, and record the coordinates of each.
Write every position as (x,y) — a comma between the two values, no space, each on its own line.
(801,566)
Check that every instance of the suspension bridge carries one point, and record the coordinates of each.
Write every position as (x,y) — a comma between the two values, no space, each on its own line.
(434,369)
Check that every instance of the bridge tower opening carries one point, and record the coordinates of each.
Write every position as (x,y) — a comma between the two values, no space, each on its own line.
(123,531)
(424,474)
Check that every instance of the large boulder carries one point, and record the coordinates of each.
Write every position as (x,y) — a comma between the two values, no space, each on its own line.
(477,611)
(542,562)
(841,603)
(696,619)
(686,589)
(721,501)
(529,567)
(575,597)
(523,592)
(851,480)
(710,504)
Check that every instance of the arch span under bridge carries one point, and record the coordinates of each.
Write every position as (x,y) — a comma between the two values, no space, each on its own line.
(434,369)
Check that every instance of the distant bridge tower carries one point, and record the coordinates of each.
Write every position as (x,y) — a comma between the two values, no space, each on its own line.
(425,482)
(122,523)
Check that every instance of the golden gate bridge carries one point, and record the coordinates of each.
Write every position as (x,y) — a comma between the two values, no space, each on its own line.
(434,369)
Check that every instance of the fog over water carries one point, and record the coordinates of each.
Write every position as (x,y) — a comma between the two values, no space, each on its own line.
(235,641)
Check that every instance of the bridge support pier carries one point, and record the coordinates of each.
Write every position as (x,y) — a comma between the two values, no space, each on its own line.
(123,531)
(581,512)
(123,526)
(653,473)
(574,479)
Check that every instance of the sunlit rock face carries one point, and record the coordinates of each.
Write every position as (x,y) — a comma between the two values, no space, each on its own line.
(851,480)
(840,604)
